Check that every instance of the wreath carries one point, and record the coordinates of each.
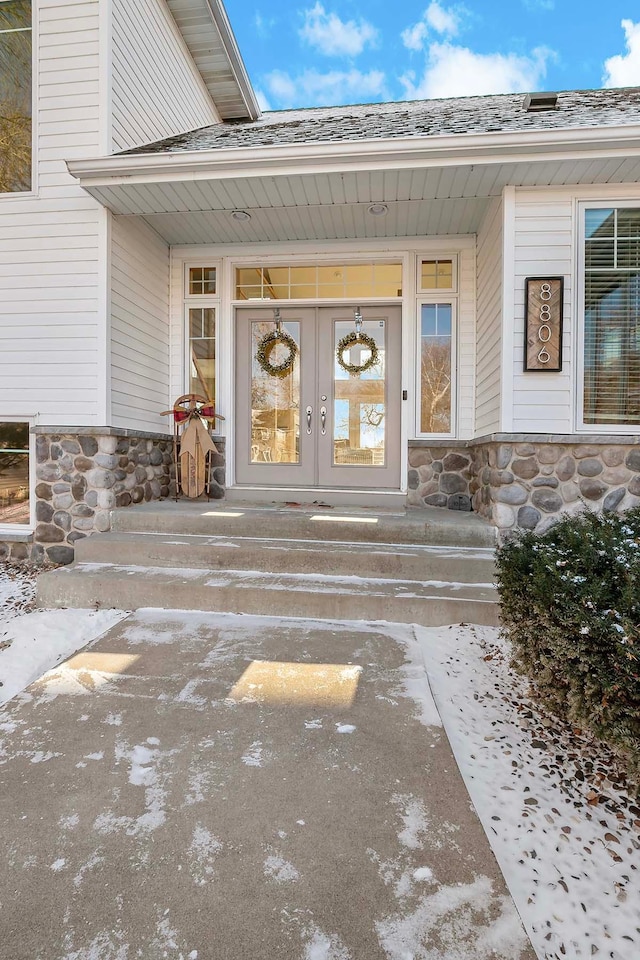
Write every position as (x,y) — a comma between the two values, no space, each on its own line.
(266,347)
(351,340)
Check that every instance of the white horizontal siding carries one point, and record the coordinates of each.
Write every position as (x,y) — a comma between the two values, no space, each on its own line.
(544,238)
(139,326)
(50,243)
(156,88)
(466,342)
(489,324)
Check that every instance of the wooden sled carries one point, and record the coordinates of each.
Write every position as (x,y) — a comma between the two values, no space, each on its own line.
(193,417)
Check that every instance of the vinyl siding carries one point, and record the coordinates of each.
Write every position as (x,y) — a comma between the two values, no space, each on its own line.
(139,326)
(544,246)
(489,322)
(50,242)
(156,88)
(466,343)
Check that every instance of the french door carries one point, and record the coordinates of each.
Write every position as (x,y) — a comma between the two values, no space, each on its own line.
(318,397)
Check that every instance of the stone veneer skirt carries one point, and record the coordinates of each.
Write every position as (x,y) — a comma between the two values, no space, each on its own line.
(526,482)
(81,474)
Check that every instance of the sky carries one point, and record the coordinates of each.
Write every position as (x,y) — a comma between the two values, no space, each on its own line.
(327,52)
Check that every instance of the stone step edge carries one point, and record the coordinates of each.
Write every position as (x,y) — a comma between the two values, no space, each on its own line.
(213,539)
(282,580)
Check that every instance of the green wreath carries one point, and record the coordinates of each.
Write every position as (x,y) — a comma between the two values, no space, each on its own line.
(351,340)
(266,347)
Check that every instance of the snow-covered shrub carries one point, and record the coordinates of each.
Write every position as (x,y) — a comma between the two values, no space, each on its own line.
(571,609)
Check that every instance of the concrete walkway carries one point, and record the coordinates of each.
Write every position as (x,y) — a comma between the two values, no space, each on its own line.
(221,787)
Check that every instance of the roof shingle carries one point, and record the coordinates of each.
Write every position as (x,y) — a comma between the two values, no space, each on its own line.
(416,118)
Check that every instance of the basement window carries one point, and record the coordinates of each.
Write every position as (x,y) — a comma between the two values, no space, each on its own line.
(14,473)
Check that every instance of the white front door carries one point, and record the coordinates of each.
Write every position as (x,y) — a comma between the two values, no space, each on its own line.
(332,418)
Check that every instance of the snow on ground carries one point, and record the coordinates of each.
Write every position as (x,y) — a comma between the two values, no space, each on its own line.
(17,591)
(565,832)
(32,643)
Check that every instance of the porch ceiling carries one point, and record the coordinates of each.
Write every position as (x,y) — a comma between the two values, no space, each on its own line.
(422,201)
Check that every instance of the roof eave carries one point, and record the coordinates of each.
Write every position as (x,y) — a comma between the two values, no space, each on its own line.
(397,152)
(221,30)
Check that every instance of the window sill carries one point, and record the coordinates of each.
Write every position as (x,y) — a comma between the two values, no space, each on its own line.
(12,535)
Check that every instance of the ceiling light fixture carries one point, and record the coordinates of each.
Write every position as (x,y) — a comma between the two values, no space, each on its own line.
(378,209)
(240,215)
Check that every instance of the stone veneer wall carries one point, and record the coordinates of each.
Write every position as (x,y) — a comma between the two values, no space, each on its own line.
(526,482)
(81,475)
(440,476)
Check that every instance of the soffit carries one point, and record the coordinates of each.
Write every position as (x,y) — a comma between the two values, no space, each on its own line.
(421,202)
(208,35)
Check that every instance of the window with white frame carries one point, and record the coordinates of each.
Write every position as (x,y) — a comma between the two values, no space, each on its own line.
(15,95)
(611,345)
(436,345)
(14,473)
(201,306)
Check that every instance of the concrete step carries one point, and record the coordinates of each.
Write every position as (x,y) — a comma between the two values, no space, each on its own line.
(306,522)
(387,560)
(312,596)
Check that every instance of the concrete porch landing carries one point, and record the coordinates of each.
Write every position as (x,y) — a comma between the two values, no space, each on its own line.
(413,566)
(218,787)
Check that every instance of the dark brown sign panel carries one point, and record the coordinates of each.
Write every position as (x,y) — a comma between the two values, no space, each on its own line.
(543,323)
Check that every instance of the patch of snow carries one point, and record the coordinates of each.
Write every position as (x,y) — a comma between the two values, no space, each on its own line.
(568,861)
(202,852)
(313,724)
(460,913)
(94,860)
(58,865)
(423,873)
(254,755)
(416,822)
(38,641)
(345,728)
(94,756)
(17,593)
(323,947)
(278,869)
(114,719)
(69,822)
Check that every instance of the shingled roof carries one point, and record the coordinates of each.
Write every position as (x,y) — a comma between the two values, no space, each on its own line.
(502,113)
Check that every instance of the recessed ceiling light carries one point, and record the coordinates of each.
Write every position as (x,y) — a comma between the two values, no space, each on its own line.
(378,209)
(240,215)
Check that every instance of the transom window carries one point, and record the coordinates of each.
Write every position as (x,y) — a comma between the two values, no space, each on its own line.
(436,275)
(14,473)
(319,282)
(612,316)
(15,96)
(202,281)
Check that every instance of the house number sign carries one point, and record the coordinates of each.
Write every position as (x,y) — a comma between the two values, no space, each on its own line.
(543,324)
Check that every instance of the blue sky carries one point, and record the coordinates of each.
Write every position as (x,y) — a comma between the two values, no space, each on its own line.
(326,52)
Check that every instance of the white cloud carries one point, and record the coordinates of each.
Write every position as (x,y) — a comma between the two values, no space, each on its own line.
(335,37)
(442,20)
(623,70)
(313,88)
(263,101)
(455,71)
(263,25)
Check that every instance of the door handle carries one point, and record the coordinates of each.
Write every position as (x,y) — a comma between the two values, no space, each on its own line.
(323,420)
(309,415)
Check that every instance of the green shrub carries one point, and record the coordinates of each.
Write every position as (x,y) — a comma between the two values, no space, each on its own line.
(571,609)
